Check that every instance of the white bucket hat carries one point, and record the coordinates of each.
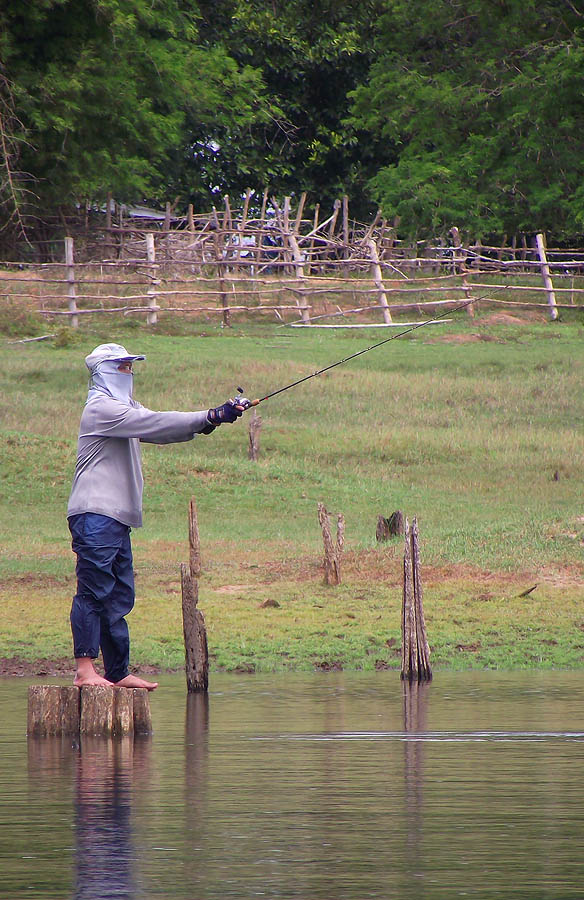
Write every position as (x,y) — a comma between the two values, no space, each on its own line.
(109,351)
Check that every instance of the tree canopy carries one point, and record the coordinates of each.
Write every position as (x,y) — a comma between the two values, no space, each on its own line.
(483,102)
(439,111)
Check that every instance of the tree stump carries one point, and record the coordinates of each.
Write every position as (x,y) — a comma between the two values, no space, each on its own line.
(194,540)
(415,647)
(92,710)
(53,710)
(195,635)
(255,426)
(141,711)
(332,551)
(387,528)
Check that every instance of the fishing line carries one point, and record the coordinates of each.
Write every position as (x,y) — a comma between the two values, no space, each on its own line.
(394,337)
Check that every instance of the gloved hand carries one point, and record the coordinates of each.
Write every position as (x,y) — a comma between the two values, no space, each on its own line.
(229,412)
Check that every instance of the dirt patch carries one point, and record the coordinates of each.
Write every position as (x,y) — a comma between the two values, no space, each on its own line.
(471,338)
(526,318)
(58,668)
(329,666)
(233,588)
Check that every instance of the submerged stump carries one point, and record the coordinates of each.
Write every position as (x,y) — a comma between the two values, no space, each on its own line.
(96,710)
(415,647)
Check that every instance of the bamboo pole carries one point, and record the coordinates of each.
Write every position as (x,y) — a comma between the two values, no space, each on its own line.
(108,211)
(299,266)
(346,222)
(299,212)
(71,292)
(460,268)
(376,272)
(545,274)
(152,317)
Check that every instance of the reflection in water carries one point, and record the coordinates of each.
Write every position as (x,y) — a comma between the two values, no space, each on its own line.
(415,700)
(196,753)
(307,788)
(105,773)
(108,772)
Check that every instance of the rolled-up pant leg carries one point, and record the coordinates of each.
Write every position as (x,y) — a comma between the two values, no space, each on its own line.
(105,591)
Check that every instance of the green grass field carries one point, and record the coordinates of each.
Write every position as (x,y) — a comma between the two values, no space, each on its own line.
(475,427)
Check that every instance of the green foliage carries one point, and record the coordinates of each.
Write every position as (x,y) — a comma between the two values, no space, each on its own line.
(446,113)
(310,55)
(483,104)
(106,90)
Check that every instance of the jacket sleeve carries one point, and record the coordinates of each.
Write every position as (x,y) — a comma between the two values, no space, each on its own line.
(112,418)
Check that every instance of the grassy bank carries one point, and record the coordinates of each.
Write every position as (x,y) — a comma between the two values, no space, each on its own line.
(474,427)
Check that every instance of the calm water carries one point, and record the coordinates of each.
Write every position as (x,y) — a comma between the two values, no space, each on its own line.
(336,786)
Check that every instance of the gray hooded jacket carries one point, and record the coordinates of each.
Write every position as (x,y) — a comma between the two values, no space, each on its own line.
(108,474)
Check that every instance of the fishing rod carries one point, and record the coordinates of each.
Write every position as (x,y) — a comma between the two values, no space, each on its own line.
(247,404)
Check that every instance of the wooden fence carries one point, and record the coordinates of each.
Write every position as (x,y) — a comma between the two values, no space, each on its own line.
(278,263)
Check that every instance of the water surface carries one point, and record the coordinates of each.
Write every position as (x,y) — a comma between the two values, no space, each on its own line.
(338,786)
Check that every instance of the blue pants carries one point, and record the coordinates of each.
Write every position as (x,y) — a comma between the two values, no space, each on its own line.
(105,591)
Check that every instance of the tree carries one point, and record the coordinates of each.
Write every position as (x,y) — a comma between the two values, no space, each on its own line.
(482,101)
(311,55)
(104,90)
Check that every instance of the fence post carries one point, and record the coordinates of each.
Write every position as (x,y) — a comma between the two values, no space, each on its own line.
(299,268)
(376,272)
(71,292)
(545,274)
(460,267)
(152,317)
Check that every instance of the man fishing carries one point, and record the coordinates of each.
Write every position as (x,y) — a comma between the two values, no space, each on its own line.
(106,503)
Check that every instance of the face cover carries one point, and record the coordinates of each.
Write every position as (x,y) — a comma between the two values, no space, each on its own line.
(107,379)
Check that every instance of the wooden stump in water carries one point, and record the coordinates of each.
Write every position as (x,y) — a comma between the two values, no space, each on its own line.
(195,635)
(53,710)
(415,647)
(141,711)
(194,630)
(96,710)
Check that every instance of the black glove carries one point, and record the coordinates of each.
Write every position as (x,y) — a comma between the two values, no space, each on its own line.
(229,412)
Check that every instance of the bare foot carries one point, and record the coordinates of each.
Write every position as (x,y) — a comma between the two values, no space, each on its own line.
(132,681)
(96,678)
(86,674)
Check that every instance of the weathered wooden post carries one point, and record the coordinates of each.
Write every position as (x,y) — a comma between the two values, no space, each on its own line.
(255,426)
(152,317)
(392,526)
(71,291)
(299,269)
(415,648)
(96,710)
(195,633)
(378,279)
(460,267)
(332,551)
(53,710)
(545,274)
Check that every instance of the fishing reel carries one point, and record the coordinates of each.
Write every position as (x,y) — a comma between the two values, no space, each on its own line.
(242,401)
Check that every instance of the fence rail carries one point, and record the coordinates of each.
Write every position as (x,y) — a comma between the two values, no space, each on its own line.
(285,265)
